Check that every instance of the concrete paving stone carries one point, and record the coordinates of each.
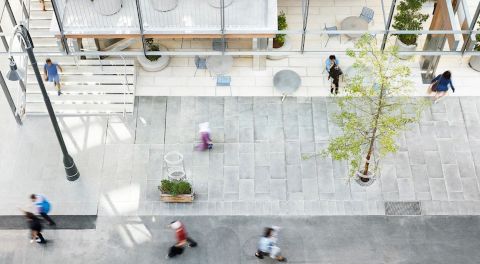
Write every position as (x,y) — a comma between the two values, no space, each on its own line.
(460,137)
(342,190)
(327,196)
(245,119)
(231,179)
(340,169)
(401,142)
(439,117)
(415,152)
(427,137)
(215,190)
(278,190)
(231,130)
(325,176)
(438,108)
(305,115)
(231,106)
(434,165)
(246,189)
(455,196)
(275,134)
(359,196)
(310,189)
(277,165)
(374,191)
(276,147)
(291,131)
(470,189)
(405,189)
(294,178)
(420,178)
(261,131)
(445,150)
(402,165)
(294,195)
(216,165)
(438,189)
(246,148)
(388,178)
(308,168)
(201,158)
(307,147)
(231,154)
(442,129)
(391,196)
(423,196)
(275,116)
(262,179)
(452,178)
(465,164)
(261,154)
(292,152)
(306,134)
(217,135)
(296,207)
(231,196)
(247,165)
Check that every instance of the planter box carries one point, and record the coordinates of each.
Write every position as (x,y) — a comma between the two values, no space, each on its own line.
(182,198)
(153,66)
(403,47)
(474,62)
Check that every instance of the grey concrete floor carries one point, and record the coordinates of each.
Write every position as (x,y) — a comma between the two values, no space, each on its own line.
(232,239)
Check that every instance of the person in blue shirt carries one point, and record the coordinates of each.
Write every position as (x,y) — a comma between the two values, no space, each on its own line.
(332,60)
(51,74)
(440,85)
(267,246)
(43,207)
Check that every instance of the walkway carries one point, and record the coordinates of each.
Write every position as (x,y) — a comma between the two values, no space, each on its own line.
(255,166)
(309,240)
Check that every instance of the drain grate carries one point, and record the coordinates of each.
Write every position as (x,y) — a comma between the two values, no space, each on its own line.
(403,208)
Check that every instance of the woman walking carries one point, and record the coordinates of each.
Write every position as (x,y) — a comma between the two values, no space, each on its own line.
(267,246)
(35,228)
(206,142)
(440,84)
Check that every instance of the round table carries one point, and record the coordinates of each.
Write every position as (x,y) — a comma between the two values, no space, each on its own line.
(354,23)
(219,64)
(218,4)
(107,7)
(287,82)
(164,5)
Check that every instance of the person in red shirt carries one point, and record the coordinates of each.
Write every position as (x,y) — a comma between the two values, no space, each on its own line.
(182,239)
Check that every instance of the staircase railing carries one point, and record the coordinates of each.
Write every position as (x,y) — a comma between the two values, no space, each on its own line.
(126,86)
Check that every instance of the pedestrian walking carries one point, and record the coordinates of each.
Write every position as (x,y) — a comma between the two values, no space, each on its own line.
(330,62)
(439,85)
(334,74)
(204,132)
(183,240)
(267,246)
(51,74)
(43,207)
(35,227)
(42,3)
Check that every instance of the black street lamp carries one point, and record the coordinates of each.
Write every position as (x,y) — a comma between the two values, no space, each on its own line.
(14,75)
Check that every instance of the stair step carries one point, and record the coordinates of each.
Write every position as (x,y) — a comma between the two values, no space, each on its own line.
(44,42)
(41,33)
(39,108)
(87,98)
(93,79)
(82,89)
(89,70)
(49,49)
(39,23)
(70,60)
(38,14)
(35,5)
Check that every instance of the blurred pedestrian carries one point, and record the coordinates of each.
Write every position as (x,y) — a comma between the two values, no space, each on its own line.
(206,142)
(43,207)
(42,3)
(267,246)
(439,85)
(50,70)
(334,74)
(35,227)
(330,62)
(182,239)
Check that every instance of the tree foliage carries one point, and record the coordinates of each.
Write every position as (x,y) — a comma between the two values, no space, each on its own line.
(375,109)
(409,17)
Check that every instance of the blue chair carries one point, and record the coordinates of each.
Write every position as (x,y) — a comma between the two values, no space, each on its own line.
(223,80)
(367,14)
(200,63)
(329,35)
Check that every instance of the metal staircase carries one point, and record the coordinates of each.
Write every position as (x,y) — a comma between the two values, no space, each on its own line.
(89,86)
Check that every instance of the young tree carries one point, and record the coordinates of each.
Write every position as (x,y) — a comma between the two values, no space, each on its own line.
(375,109)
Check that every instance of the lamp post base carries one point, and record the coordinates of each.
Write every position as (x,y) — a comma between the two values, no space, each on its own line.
(70,168)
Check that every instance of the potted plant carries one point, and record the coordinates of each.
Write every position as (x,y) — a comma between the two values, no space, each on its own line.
(408,18)
(474,61)
(153,63)
(280,41)
(375,109)
(173,191)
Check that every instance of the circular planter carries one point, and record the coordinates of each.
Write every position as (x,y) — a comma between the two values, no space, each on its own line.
(152,66)
(404,47)
(107,7)
(474,62)
(364,180)
(164,5)
(287,46)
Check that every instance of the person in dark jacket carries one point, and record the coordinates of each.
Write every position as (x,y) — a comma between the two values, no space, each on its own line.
(334,73)
(35,227)
(440,85)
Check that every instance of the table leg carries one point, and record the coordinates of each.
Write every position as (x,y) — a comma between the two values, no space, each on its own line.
(284,95)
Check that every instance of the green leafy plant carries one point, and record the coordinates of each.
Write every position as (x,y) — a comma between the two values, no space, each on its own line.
(477,38)
(152,46)
(175,187)
(375,109)
(279,39)
(409,18)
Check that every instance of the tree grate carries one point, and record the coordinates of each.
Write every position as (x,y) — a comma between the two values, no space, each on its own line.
(403,208)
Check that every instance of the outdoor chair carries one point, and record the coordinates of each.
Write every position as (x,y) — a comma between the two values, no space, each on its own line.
(329,35)
(223,80)
(200,63)
(367,14)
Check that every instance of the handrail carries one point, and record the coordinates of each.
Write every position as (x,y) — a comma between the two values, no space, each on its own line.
(126,86)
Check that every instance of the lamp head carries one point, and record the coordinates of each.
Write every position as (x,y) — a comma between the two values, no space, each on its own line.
(14,74)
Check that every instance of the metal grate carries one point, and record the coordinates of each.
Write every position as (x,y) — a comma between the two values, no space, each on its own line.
(403,208)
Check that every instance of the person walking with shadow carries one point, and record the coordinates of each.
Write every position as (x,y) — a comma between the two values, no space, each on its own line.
(43,207)
(35,227)
(267,246)
(183,240)
(439,85)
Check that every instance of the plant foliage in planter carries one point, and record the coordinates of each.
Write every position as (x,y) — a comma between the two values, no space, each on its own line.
(152,46)
(409,18)
(175,187)
(279,39)
(477,38)
(375,109)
